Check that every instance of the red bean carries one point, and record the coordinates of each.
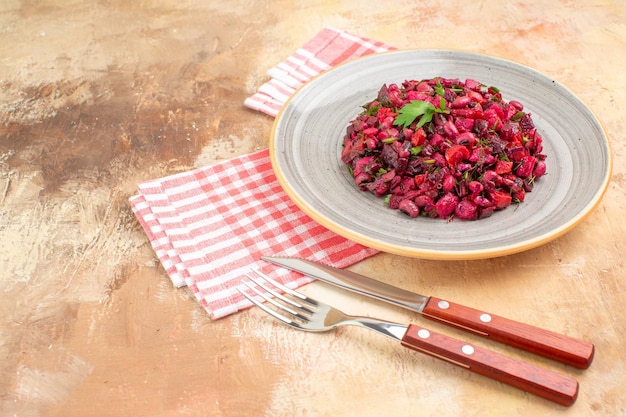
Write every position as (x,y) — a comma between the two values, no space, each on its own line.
(540,169)
(475,187)
(409,207)
(449,182)
(446,205)
(490,175)
(450,129)
(519,106)
(371,131)
(466,139)
(461,101)
(466,209)
(482,201)
(423,201)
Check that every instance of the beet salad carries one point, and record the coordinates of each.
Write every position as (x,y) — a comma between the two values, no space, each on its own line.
(444,148)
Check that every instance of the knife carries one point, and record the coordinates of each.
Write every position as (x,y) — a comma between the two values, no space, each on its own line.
(561,348)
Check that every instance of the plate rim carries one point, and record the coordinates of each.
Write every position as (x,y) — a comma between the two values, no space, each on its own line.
(438,254)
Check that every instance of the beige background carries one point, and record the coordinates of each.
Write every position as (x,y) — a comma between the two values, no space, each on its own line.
(97,96)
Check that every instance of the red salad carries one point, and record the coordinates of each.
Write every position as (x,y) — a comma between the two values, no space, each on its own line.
(444,148)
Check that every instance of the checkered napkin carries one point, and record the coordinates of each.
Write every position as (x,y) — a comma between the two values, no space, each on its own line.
(210,226)
(326,49)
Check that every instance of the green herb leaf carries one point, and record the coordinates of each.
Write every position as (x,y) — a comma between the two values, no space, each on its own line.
(410,112)
(371,110)
(418,108)
(442,105)
(439,90)
(518,116)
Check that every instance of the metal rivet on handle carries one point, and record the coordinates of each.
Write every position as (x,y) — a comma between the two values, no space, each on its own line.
(443,304)
(485,318)
(423,333)
(467,349)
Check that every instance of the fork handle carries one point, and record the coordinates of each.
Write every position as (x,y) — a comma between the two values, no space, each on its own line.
(527,377)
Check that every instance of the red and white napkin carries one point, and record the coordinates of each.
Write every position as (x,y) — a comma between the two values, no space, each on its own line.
(210,226)
(326,49)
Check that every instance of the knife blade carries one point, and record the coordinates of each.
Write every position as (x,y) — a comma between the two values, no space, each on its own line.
(555,346)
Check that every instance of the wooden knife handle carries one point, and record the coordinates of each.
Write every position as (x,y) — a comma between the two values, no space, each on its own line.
(542,382)
(543,342)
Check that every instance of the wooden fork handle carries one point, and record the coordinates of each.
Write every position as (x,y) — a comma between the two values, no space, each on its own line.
(527,377)
(564,349)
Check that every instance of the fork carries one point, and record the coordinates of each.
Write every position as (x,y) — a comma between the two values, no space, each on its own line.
(304,313)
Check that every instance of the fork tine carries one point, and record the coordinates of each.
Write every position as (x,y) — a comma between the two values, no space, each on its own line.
(276,294)
(286,289)
(296,314)
(268,310)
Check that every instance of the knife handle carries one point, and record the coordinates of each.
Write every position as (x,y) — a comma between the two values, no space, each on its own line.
(547,384)
(542,342)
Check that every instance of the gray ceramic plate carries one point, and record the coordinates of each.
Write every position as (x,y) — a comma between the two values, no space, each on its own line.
(306,146)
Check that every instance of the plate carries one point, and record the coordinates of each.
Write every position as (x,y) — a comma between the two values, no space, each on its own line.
(306,144)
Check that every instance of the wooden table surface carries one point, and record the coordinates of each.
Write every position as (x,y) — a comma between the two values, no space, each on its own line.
(98,96)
